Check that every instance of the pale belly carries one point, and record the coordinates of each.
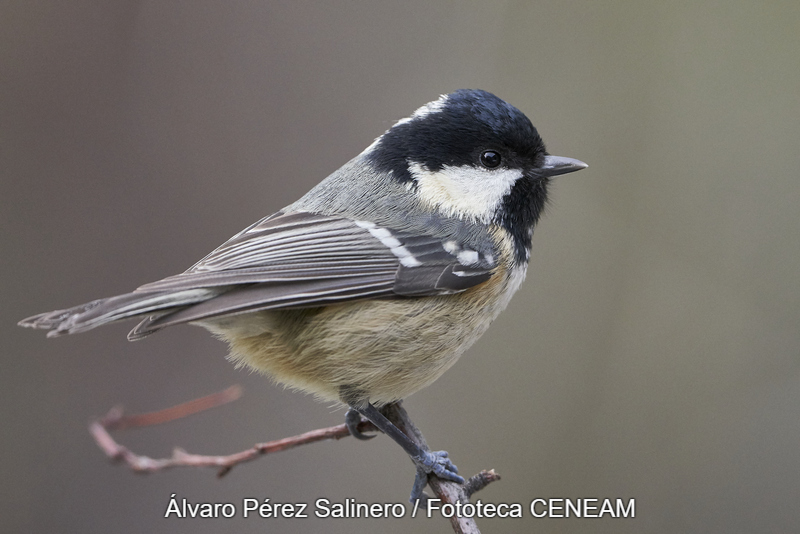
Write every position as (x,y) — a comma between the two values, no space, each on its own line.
(384,349)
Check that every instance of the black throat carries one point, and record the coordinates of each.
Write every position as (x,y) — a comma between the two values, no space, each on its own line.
(520,211)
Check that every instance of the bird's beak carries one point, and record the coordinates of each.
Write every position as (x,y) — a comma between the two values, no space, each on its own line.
(556,165)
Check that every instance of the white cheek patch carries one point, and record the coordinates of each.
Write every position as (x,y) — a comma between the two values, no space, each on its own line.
(465,191)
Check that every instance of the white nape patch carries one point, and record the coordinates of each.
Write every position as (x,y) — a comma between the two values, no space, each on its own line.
(431,107)
(466,191)
(385,236)
(372,146)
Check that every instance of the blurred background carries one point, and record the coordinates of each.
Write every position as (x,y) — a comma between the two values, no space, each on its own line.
(653,353)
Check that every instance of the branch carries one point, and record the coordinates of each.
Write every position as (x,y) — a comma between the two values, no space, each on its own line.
(448,492)
(115,419)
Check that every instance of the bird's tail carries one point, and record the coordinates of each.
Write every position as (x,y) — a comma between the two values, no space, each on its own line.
(103,311)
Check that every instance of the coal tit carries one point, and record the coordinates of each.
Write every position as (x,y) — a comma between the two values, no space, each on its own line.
(373,284)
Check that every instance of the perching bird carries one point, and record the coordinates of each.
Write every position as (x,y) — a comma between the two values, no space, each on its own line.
(373,284)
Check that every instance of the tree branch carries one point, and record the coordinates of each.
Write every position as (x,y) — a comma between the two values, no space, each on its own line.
(446,491)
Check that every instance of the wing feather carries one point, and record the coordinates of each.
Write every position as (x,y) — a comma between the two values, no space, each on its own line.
(288,260)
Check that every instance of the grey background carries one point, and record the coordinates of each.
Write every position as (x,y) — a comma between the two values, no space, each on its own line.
(653,352)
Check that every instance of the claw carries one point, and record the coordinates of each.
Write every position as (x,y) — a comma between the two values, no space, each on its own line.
(436,462)
(352,419)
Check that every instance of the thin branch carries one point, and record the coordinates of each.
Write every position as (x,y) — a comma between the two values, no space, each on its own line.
(180,458)
(446,491)
(115,420)
(477,482)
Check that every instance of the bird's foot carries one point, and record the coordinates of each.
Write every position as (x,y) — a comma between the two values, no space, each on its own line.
(436,462)
(352,419)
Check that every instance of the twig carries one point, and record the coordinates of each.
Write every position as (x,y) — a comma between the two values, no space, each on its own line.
(477,482)
(181,458)
(448,492)
(115,420)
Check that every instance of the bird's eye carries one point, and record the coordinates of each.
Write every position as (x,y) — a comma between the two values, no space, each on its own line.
(490,159)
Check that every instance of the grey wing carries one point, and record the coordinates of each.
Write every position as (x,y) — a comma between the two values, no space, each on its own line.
(288,260)
(304,260)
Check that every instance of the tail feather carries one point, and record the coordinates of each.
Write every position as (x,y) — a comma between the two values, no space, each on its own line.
(99,312)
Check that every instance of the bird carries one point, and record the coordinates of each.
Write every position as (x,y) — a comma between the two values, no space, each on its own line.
(374,283)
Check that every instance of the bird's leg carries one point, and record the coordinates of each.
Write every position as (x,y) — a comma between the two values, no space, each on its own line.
(436,462)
